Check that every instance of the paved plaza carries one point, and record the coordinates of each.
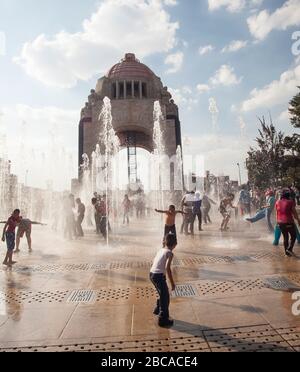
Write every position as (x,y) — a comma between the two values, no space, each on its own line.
(234,293)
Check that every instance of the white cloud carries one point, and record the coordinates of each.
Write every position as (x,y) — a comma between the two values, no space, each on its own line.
(225,76)
(117,27)
(234,46)
(202,88)
(233,6)
(277,92)
(205,49)
(170,2)
(43,141)
(184,97)
(175,61)
(261,24)
(220,153)
(284,116)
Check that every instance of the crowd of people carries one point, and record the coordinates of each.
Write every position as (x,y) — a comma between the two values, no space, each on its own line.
(283,201)
(246,205)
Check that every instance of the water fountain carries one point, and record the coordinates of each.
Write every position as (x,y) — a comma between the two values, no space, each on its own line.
(100,173)
(158,155)
(178,176)
(214,110)
(4,173)
(242,126)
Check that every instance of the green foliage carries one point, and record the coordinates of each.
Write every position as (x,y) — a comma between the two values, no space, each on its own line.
(295,111)
(276,159)
(265,163)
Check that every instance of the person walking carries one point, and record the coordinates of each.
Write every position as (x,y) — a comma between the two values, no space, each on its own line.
(187,204)
(206,207)
(197,213)
(245,201)
(80,217)
(97,214)
(286,215)
(126,209)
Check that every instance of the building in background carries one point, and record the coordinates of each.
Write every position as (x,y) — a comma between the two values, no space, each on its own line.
(132,88)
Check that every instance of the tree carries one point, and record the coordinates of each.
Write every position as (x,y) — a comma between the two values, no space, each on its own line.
(265,163)
(291,163)
(295,110)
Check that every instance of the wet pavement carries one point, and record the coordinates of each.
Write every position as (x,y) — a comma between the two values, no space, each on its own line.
(234,293)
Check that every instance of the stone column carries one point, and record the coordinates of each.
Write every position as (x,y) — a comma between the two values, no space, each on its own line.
(141,90)
(117,90)
(125,90)
(132,88)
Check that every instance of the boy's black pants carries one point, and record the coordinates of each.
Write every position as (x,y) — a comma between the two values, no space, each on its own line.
(160,283)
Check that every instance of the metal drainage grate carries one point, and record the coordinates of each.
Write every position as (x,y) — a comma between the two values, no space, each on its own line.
(82,297)
(280,283)
(185,291)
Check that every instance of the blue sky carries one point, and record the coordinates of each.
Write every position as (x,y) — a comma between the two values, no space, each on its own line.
(44,81)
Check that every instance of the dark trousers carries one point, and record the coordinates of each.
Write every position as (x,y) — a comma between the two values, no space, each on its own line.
(199,216)
(206,217)
(97,223)
(245,209)
(78,226)
(126,217)
(170,230)
(289,233)
(160,283)
(188,222)
(103,226)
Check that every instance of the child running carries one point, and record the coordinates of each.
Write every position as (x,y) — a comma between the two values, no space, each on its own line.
(162,265)
(225,206)
(170,226)
(10,236)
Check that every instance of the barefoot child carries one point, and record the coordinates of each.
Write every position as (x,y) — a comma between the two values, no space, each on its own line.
(10,236)
(225,206)
(25,228)
(162,265)
(170,226)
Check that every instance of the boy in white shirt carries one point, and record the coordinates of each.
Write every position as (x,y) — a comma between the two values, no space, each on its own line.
(162,265)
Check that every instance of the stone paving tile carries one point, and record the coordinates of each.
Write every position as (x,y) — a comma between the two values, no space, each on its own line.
(227,273)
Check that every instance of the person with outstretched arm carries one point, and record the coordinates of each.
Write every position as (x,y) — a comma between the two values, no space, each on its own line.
(24,228)
(170,224)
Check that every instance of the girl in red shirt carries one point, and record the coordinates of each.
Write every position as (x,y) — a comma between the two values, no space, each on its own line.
(286,216)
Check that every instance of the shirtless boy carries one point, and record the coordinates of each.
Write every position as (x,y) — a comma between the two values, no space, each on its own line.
(170,226)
